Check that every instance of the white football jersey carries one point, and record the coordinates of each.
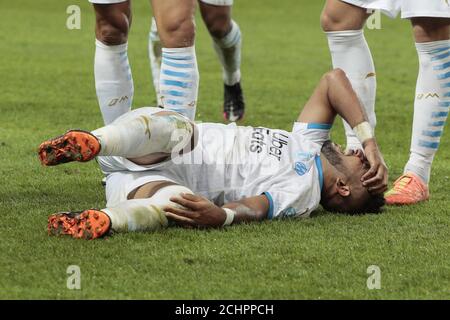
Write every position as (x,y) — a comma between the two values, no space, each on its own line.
(232,162)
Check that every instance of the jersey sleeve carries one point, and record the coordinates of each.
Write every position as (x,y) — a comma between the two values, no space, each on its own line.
(314,132)
(284,205)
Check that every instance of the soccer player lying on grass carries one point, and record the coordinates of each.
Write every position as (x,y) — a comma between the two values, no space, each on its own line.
(163,169)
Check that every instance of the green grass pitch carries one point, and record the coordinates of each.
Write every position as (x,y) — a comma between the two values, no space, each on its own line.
(47,87)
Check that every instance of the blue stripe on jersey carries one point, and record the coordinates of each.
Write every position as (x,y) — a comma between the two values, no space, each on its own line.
(320,170)
(428,144)
(433,134)
(437,124)
(178,65)
(169,56)
(175,83)
(439,114)
(176,74)
(173,102)
(447,95)
(269,197)
(441,56)
(445,85)
(440,50)
(444,104)
(442,66)
(321,126)
(444,76)
(174,93)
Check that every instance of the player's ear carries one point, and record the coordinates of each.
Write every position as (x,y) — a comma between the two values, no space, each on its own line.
(342,188)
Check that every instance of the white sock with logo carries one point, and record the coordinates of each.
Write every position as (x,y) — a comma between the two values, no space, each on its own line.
(350,52)
(179,80)
(431,106)
(113,80)
(228,49)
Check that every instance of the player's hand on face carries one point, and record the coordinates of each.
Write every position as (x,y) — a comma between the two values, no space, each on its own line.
(376,179)
(197,212)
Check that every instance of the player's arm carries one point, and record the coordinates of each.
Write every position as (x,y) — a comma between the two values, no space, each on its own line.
(200,212)
(335,96)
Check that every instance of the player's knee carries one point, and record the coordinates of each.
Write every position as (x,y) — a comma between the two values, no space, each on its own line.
(431,29)
(334,75)
(332,21)
(185,138)
(219,25)
(178,33)
(329,22)
(113,32)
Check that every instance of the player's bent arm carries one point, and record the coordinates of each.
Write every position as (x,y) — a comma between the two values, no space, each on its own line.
(249,209)
(334,95)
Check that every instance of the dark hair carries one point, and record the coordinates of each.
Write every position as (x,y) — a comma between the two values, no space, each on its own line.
(373,204)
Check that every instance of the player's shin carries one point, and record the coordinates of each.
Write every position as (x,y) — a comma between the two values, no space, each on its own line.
(431,106)
(113,80)
(154,53)
(228,50)
(144,214)
(350,52)
(179,80)
(139,135)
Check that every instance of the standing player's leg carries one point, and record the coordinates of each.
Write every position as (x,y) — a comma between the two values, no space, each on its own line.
(113,80)
(227,43)
(179,76)
(431,107)
(343,24)
(154,55)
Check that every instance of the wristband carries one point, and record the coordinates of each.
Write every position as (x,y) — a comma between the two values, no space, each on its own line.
(363,131)
(230,216)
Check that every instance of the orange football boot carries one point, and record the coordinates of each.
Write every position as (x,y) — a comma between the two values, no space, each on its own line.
(408,189)
(89,224)
(74,145)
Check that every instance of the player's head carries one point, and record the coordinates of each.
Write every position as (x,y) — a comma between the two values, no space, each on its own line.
(347,194)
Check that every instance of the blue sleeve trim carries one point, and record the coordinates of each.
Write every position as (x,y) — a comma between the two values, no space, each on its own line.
(269,197)
(320,170)
(322,126)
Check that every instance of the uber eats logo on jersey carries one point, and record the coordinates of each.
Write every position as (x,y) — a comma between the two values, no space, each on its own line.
(271,141)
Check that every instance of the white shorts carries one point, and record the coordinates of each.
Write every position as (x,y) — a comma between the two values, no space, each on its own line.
(213,2)
(106,1)
(218,2)
(408,8)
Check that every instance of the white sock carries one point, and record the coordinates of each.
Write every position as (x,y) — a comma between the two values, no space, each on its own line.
(350,52)
(144,214)
(431,106)
(228,49)
(138,135)
(179,80)
(113,80)
(154,54)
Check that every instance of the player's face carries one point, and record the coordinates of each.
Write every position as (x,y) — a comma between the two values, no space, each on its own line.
(353,161)
(352,164)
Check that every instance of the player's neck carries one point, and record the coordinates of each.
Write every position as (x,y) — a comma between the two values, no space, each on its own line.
(330,175)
